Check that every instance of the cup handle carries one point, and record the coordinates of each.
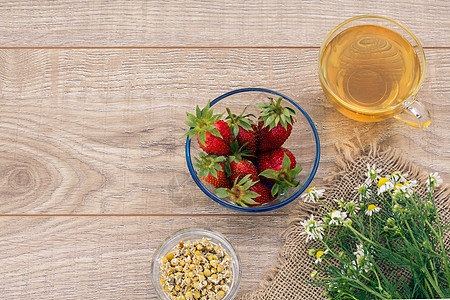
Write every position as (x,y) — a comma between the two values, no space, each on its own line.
(415,114)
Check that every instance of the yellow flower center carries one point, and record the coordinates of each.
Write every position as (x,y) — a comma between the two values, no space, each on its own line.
(310,189)
(371,207)
(396,173)
(319,254)
(397,186)
(382,181)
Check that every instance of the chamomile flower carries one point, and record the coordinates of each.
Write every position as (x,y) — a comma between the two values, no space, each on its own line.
(384,185)
(312,194)
(397,177)
(363,191)
(319,255)
(359,250)
(349,206)
(372,208)
(362,259)
(404,189)
(372,174)
(313,274)
(434,180)
(337,217)
(313,229)
(341,203)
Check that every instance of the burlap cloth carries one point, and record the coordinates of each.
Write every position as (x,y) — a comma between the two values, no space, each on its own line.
(288,278)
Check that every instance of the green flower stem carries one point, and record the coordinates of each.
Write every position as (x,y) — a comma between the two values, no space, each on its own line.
(322,203)
(381,247)
(432,282)
(424,269)
(378,279)
(414,240)
(350,296)
(393,291)
(366,288)
(439,237)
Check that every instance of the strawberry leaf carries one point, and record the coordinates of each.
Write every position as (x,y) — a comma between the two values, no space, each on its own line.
(215,132)
(275,189)
(198,112)
(235,131)
(222,192)
(286,164)
(269,173)
(295,171)
(202,137)
(248,197)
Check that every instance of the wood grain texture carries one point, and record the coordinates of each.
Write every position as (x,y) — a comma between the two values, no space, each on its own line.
(203,23)
(98,131)
(111,257)
(93,96)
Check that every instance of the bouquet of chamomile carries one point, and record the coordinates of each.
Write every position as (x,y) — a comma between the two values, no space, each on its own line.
(384,243)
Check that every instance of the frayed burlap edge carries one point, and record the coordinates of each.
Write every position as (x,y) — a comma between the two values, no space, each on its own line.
(347,153)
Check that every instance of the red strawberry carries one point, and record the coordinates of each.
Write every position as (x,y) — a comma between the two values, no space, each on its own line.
(274,124)
(274,160)
(264,192)
(241,168)
(217,145)
(244,130)
(278,167)
(211,169)
(247,192)
(214,135)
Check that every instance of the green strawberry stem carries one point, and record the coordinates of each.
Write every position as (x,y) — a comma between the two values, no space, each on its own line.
(291,183)
(230,115)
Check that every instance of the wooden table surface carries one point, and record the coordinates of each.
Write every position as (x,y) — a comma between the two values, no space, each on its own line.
(93,99)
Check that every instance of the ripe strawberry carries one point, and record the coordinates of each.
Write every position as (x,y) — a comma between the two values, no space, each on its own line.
(241,168)
(278,167)
(239,165)
(274,124)
(214,144)
(211,169)
(244,130)
(273,160)
(264,192)
(247,192)
(214,135)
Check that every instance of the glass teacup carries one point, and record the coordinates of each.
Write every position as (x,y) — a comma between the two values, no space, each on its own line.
(371,69)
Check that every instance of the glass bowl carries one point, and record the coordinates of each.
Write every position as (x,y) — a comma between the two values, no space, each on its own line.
(303,143)
(192,234)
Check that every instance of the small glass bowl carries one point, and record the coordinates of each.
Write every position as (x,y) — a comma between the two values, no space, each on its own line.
(303,143)
(192,234)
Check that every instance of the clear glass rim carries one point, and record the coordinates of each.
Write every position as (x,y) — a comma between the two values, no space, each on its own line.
(203,232)
(257,208)
(327,39)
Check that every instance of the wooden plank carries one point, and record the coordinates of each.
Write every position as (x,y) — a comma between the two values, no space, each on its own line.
(98,131)
(203,23)
(111,257)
